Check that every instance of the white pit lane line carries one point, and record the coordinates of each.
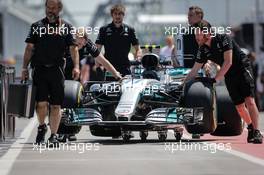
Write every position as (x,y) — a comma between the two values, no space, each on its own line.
(9,158)
(233,152)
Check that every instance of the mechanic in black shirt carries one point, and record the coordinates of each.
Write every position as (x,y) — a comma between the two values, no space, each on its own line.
(86,48)
(87,53)
(190,46)
(90,55)
(235,68)
(89,69)
(117,39)
(45,49)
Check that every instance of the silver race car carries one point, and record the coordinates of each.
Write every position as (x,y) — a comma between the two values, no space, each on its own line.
(153,98)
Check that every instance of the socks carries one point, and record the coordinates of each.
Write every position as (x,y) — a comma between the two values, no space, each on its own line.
(250,126)
(42,126)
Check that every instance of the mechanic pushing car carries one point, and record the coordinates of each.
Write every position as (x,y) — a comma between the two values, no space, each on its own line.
(89,69)
(87,52)
(45,52)
(117,39)
(235,68)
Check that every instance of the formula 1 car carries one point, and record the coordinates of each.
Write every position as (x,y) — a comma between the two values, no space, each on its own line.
(153,98)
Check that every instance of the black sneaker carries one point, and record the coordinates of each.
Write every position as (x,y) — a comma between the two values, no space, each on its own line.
(257,137)
(72,137)
(250,137)
(53,141)
(42,130)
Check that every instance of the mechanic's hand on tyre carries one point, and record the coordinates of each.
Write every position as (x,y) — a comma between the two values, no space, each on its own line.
(24,75)
(75,73)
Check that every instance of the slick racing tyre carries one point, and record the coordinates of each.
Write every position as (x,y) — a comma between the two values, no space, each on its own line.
(72,99)
(200,93)
(230,123)
(73,94)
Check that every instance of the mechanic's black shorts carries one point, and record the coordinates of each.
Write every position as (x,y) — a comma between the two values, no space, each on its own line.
(49,82)
(241,85)
(90,61)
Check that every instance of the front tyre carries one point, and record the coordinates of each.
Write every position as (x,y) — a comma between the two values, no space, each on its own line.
(201,93)
(230,123)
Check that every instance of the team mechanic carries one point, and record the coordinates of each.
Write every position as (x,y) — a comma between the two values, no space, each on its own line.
(87,52)
(236,68)
(190,46)
(117,39)
(46,54)
(89,70)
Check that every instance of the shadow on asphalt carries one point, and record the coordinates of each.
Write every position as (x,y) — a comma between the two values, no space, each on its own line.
(136,141)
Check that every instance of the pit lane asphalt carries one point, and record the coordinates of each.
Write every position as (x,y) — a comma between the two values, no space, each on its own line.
(107,156)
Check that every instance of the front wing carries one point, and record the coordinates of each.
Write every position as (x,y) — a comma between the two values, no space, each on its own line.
(160,117)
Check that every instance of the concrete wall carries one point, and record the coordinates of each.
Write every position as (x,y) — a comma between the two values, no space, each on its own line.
(15,31)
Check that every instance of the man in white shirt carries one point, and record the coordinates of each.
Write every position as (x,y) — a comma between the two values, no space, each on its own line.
(165,52)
